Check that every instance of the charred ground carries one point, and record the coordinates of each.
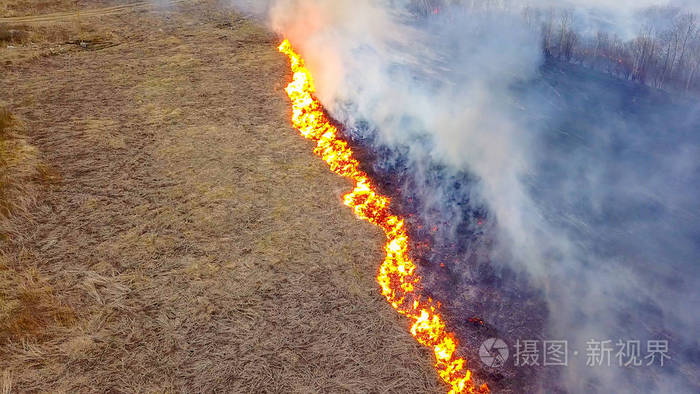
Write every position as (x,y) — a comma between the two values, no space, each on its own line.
(452,240)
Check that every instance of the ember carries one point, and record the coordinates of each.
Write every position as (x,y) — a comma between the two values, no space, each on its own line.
(397,275)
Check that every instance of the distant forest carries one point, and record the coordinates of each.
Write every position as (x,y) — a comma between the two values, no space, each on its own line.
(665,53)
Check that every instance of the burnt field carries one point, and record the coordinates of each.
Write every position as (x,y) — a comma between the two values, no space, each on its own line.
(590,118)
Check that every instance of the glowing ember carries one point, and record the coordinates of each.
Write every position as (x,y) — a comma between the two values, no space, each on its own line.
(397,274)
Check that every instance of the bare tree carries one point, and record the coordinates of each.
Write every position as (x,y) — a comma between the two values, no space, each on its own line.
(694,60)
(688,27)
(529,15)
(643,50)
(665,53)
(566,18)
(548,32)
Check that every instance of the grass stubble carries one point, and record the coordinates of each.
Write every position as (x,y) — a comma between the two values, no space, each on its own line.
(167,230)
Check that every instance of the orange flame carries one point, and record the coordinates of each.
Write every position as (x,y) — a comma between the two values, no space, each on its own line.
(397,275)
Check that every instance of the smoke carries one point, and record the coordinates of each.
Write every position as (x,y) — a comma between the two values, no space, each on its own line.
(590,184)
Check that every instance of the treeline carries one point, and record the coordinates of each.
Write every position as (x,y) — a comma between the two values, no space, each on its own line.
(665,53)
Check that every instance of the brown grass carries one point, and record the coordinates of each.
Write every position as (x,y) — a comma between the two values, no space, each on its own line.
(25,43)
(19,171)
(9,8)
(27,40)
(24,34)
(194,242)
(12,35)
(28,305)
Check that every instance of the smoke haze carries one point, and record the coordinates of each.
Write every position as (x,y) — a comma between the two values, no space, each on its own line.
(588,185)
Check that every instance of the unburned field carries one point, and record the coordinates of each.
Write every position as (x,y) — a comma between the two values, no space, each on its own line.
(166,229)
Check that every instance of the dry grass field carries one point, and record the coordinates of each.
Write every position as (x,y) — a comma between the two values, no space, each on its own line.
(164,229)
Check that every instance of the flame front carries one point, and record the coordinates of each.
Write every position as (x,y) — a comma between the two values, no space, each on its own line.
(397,275)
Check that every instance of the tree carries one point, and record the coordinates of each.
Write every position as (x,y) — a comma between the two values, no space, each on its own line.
(566,18)
(548,32)
(694,60)
(643,50)
(688,27)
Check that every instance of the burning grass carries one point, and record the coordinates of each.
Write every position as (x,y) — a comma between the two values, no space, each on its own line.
(399,281)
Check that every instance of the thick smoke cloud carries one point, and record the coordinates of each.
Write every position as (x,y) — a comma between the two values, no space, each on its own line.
(593,200)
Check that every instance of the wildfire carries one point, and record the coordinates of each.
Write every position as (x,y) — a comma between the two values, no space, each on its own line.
(397,275)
